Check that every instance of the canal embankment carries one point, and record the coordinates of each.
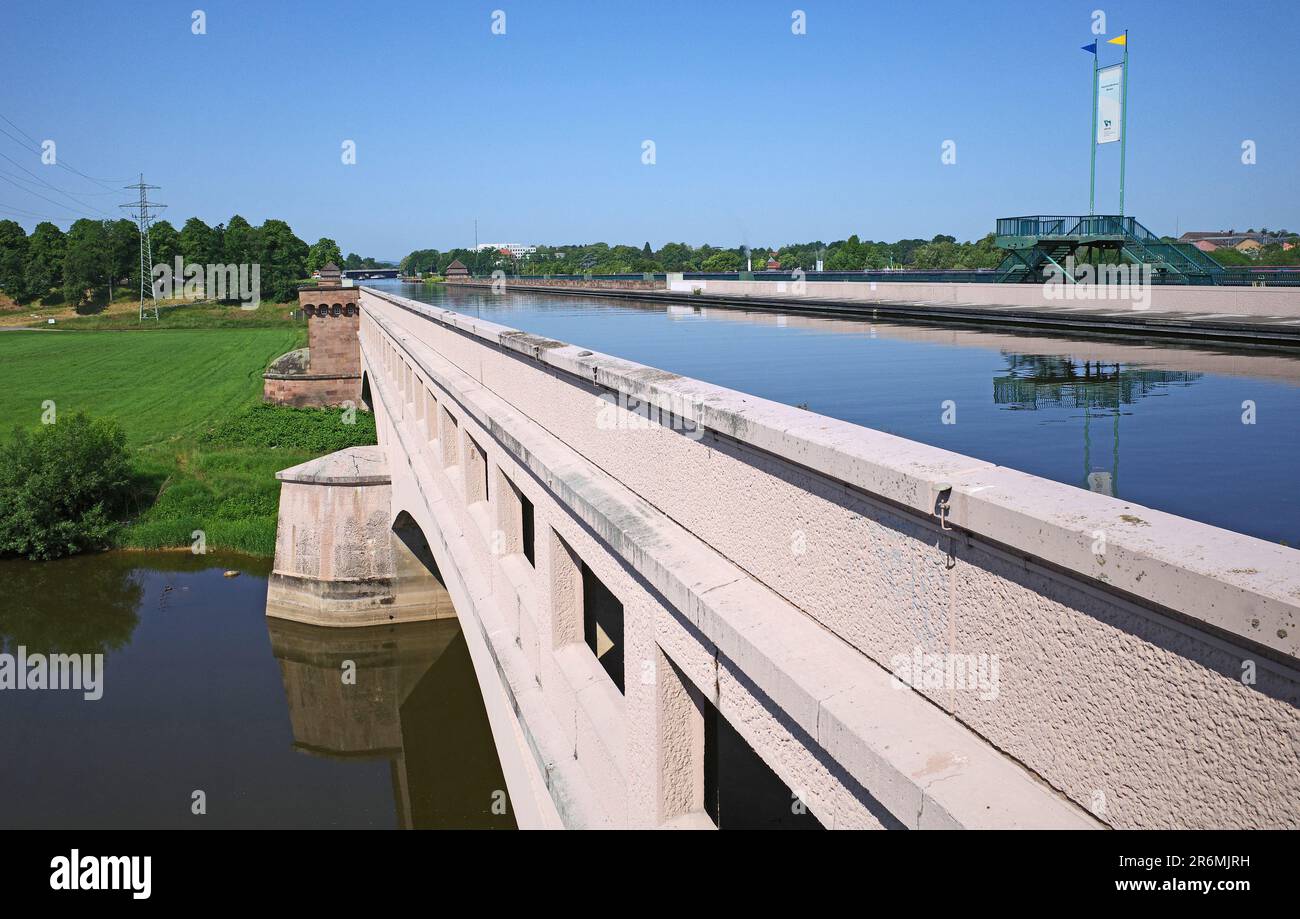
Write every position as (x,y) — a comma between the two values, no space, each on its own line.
(1267,317)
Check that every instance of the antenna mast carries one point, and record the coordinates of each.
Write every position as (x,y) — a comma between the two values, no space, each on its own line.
(144,213)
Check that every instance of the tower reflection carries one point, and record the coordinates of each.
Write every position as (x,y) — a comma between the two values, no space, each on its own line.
(409,696)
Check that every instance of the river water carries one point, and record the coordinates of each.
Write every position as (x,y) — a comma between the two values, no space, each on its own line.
(1155,424)
(201,692)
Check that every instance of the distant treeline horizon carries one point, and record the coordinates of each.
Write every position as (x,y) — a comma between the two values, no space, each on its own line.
(97,259)
(852,254)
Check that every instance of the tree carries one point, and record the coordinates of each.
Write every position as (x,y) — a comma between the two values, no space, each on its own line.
(199,243)
(239,243)
(85,261)
(676,257)
(165,243)
(726,260)
(322,252)
(122,254)
(13,259)
(62,488)
(283,258)
(45,249)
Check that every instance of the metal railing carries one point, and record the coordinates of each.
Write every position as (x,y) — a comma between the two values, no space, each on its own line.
(1074,225)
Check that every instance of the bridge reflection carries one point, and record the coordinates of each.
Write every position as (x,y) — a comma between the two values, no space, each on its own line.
(402,693)
(1101,390)
(1035,381)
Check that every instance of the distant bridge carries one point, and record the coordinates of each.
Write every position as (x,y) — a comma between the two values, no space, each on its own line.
(692,607)
(362,274)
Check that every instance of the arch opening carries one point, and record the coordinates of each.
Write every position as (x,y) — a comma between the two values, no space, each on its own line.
(417,582)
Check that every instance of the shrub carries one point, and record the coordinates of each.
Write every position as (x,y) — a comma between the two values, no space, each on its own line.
(63,488)
(317,430)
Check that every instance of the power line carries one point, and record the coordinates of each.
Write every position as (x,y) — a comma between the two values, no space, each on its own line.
(144,214)
(16,211)
(63,165)
(42,197)
(79,194)
(53,188)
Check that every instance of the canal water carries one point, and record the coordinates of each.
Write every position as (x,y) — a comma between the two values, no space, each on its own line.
(201,692)
(1209,434)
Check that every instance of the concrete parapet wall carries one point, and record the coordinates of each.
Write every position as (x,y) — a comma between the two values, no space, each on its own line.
(565,283)
(784,564)
(1235,301)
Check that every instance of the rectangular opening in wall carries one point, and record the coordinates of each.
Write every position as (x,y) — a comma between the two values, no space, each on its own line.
(602,625)
(526,525)
(741,792)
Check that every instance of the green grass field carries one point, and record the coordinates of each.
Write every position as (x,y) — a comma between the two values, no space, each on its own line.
(190,404)
(199,315)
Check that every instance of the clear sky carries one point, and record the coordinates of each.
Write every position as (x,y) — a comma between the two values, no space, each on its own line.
(761,136)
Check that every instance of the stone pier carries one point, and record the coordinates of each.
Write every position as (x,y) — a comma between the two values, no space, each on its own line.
(339,560)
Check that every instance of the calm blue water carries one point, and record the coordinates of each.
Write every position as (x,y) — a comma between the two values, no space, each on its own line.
(1154,424)
(202,691)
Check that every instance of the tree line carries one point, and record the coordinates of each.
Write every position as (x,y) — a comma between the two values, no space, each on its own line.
(95,260)
(852,254)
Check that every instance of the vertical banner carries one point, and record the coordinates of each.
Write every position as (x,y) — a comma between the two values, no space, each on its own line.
(1110,105)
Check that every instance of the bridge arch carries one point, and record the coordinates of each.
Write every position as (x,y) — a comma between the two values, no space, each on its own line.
(417,582)
(366,399)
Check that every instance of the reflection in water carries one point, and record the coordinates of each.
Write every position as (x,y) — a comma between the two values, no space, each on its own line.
(1036,381)
(414,704)
(201,692)
(45,606)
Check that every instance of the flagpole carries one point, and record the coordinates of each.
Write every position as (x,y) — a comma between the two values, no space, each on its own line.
(1092,140)
(1123,127)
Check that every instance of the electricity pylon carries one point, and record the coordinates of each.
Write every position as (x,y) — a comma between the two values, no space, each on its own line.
(144,213)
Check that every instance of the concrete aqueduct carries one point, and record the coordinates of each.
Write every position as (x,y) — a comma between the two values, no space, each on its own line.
(691,607)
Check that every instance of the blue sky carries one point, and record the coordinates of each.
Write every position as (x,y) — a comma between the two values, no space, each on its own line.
(761,136)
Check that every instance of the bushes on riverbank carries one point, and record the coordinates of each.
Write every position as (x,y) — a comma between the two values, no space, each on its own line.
(204,448)
(273,427)
(63,488)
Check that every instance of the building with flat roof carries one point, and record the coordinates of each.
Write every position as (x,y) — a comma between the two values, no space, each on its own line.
(516,250)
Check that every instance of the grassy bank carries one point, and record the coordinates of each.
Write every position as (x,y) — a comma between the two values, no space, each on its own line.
(124,315)
(189,401)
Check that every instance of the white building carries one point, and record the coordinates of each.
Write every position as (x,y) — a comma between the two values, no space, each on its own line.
(516,250)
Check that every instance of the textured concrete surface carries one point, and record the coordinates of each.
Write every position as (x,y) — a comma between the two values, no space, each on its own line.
(337,560)
(598,750)
(1122,673)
